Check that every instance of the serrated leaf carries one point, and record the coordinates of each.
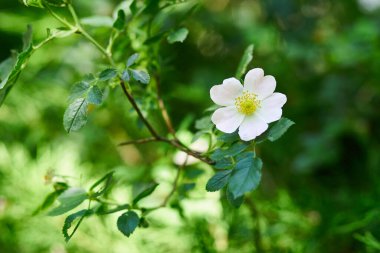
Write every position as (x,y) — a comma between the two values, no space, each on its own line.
(75,116)
(95,95)
(69,199)
(224,163)
(218,181)
(235,202)
(128,222)
(246,176)
(140,76)
(276,131)
(125,76)
(244,62)
(79,90)
(107,74)
(132,59)
(229,138)
(70,220)
(119,23)
(106,181)
(178,35)
(229,152)
(97,21)
(145,193)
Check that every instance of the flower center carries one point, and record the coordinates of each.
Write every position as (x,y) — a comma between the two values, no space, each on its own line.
(247,103)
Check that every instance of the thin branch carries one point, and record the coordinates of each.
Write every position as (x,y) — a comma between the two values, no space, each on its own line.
(175,184)
(164,112)
(137,109)
(139,141)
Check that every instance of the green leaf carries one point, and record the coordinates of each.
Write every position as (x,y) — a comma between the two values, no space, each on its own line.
(145,193)
(133,7)
(119,23)
(11,68)
(79,90)
(106,181)
(218,181)
(107,74)
(125,76)
(69,199)
(178,35)
(95,95)
(229,138)
(276,131)
(229,152)
(246,176)
(132,59)
(70,220)
(97,21)
(235,202)
(75,116)
(140,76)
(244,62)
(225,163)
(48,202)
(127,222)
(204,123)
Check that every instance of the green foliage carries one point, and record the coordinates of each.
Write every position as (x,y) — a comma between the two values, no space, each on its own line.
(11,68)
(140,76)
(276,131)
(246,176)
(75,116)
(71,219)
(107,74)
(218,181)
(119,23)
(145,192)
(69,199)
(178,35)
(128,222)
(245,61)
(104,183)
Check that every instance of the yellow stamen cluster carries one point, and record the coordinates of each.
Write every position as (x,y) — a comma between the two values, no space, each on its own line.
(247,103)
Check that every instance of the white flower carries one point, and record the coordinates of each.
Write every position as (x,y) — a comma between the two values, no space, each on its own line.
(250,107)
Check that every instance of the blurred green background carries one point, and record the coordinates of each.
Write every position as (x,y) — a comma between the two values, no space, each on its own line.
(320,189)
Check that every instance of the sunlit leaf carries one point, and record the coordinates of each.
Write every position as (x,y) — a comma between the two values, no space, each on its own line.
(178,35)
(69,199)
(244,62)
(75,116)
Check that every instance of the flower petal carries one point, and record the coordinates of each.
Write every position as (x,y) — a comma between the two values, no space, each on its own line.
(225,94)
(252,127)
(227,119)
(265,87)
(269,115)
(276,100)
(252,78)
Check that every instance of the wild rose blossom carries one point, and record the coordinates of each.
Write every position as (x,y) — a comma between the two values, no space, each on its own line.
(250,107)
